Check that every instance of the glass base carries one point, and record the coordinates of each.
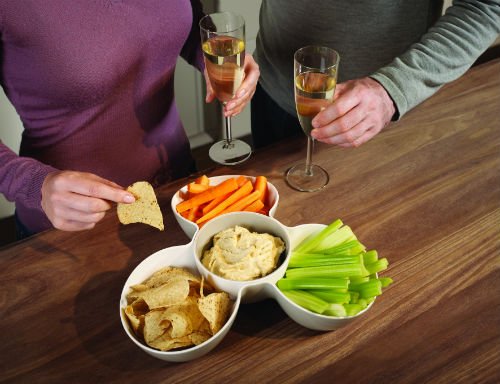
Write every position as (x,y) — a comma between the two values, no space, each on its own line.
(299,179)
(232,153)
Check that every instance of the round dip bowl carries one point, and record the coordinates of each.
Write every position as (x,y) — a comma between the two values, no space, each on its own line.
(191,228)
(254,290)
(178,256)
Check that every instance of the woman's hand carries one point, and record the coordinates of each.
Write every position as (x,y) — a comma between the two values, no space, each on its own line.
(360,110)
(245,91)
(74,201)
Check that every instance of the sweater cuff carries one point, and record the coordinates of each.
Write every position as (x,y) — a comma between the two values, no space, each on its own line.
(33,185)
(394,93)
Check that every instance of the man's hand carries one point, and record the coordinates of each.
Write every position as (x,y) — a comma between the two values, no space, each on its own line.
(360,110)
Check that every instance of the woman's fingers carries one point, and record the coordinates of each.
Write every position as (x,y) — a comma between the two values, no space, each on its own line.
(78,200)
(247,88)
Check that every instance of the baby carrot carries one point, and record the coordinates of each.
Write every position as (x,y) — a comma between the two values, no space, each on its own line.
(195,188)
(261,186)
(203,180)
(211,205)
(256,206)
(241,180)
(242,203)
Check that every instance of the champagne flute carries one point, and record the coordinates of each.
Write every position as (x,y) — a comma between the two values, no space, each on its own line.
(223,44)
(315,77)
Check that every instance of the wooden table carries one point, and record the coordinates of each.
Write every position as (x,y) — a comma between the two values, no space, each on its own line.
(425,193)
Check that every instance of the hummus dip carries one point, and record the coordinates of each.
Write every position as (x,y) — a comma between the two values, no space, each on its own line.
(238,254)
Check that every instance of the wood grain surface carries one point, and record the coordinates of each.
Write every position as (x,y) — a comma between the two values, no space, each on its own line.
(425,193)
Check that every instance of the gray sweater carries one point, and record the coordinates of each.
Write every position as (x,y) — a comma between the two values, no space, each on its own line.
(403,44)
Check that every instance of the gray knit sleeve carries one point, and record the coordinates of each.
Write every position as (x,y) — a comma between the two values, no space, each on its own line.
(443,54)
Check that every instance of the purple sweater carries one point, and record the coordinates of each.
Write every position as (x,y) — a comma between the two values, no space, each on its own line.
(93,83)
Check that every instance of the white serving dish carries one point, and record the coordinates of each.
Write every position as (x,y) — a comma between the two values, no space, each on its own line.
(241,292)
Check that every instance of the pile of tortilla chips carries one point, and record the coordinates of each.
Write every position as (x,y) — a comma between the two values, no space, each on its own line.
(175,309)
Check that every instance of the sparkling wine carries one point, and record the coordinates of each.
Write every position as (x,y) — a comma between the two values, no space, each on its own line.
(313,93)
(224,58)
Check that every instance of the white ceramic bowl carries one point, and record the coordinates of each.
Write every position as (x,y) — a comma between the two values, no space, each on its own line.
(191,228)
(254,222)
(242,292)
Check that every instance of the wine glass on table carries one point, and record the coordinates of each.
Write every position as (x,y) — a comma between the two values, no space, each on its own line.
(315,77)
(223,44)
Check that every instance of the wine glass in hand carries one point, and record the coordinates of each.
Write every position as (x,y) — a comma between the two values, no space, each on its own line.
(315,70)
(223,43)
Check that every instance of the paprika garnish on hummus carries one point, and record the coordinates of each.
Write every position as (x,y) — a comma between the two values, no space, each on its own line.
(239,254)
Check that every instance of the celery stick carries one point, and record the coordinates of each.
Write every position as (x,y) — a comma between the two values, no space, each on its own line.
(363,303)
(306,300)
(312,283)
(352,247)
(342,235)
(312,241)
(336,310)
(369,289)
(370,256)
(340,270)
(370,299)
(352,309)
(386,281)
(377,266)
(332,296)
(354,297)
(319,259)
(358,279)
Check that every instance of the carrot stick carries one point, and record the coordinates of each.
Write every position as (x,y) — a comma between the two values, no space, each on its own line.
(192,213)
(241,192)
(223,188)
(203,180)
(241,180)
(242,203)
(256,206)
(261,186)
(211,205)
(197,188)
(265,210)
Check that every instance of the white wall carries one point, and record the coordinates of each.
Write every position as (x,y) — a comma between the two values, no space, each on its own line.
(10,134)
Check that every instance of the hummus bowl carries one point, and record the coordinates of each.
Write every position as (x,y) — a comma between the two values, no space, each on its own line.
(191,228)
(188,256)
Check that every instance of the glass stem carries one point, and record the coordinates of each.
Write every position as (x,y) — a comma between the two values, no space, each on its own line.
(229,137)
(309,156)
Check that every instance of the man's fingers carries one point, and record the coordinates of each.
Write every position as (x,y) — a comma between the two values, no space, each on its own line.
(367,135)
(338,108)
(343,124)
(350,137)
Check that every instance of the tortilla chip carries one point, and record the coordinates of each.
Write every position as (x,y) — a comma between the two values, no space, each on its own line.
(175,291)
(167,344)
(199,337)
(165,274)
(215,308)
(135,313)
(145,209)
